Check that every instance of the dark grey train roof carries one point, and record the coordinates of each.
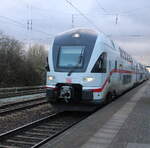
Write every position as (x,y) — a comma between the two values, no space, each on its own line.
(87,39)
(86,35)
(79,30)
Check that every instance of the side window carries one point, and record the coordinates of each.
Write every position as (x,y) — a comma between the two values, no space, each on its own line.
(127,79)
(141,76)
(113,44)
(47,65)
(110,66)
(101,64)
(115,64)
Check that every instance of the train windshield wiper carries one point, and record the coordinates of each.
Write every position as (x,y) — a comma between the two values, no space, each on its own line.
(78,64)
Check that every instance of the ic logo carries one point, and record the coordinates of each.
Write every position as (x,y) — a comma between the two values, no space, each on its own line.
(68,80)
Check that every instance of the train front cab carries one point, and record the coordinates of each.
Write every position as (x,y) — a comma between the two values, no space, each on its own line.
(80,88)
(86,84)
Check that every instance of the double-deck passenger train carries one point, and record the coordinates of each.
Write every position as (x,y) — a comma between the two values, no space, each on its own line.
(85,68)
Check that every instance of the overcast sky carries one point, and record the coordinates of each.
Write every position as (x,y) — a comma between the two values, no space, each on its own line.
(49,17)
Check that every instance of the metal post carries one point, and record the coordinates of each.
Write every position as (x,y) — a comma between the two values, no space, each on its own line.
(72,20)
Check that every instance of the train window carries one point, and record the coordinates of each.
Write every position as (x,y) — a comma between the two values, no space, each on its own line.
(110,66)
(101,64)
(141,76)
(71,56)
(47,65)
(127,79)
(123,54)
(115,64)
(113,45)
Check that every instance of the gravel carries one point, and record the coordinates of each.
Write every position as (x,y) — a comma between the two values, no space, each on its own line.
(17,119)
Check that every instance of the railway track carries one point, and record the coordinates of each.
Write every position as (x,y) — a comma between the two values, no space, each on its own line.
(20,91)
(37,133)
(21,105)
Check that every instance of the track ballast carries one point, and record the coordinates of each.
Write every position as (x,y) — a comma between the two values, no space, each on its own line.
(37,133)
(21,105)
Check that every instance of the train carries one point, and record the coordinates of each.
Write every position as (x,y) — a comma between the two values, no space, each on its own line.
(86,68)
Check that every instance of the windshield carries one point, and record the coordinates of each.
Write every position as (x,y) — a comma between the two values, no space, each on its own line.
(71,56)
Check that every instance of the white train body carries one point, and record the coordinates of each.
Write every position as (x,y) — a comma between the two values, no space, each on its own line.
(87,67)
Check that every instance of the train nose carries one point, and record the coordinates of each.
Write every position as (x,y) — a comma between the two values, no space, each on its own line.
(65,92)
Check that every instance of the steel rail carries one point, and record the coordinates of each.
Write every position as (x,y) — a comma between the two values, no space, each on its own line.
(39,132)
(21,105)
(20,93)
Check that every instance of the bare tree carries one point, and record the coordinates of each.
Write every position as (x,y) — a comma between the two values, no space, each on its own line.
(18,68)
(37,58)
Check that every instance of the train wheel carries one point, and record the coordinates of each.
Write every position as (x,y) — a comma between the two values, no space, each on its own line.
(114,97)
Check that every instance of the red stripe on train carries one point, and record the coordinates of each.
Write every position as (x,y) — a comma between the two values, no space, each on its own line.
(107,79)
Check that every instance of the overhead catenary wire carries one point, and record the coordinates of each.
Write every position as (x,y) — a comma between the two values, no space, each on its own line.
(91,22)
(105,11)
(133,10)
(118,14)
(26,25)
(101,7)
(84,16)
(23,25)
(12,20)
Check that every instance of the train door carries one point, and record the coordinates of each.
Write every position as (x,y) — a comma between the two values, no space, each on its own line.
(136,73)
(110,67)
(110,74)
(115,76)
(103,65)
(120,77)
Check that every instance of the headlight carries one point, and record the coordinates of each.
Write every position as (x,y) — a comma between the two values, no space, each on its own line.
(88,79)
(50,78)
(76,35)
